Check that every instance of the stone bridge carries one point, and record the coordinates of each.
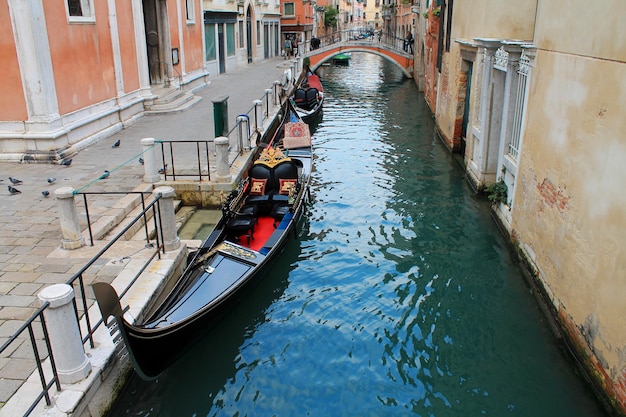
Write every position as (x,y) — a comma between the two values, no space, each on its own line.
(389,48)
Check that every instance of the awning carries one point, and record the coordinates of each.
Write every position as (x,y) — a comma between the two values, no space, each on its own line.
(220,16)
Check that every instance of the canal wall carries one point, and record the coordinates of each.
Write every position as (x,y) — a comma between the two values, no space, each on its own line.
(543,121)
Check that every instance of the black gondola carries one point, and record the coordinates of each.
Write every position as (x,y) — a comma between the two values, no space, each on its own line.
(256,222)
(308,96)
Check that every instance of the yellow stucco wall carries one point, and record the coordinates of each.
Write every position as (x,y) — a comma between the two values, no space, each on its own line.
(570,209)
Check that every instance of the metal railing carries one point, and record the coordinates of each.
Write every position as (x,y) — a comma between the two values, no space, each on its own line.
(352,37)
(85,194)
(242,136)
(86,324)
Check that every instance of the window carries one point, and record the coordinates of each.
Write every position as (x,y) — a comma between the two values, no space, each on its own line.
(520,92)
(258,33)
(289,9)
(209,41)
(241,34)
(80,10)
(190,11)
(230,39)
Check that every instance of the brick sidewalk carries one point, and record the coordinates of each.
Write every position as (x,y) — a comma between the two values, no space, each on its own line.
(30,233)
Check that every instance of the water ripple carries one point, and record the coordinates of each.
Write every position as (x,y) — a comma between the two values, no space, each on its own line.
(401,298)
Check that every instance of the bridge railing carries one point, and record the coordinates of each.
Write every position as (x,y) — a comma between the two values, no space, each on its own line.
(354,37)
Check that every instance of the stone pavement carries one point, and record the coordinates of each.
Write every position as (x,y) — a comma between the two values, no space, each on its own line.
(29,224)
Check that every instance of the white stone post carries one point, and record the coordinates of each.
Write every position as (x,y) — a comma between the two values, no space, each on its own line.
(150,166)
(221,150)
(269,101)
(67,347)
(258,115)
(277,88)
(168,217)
(70,228)
(244,131)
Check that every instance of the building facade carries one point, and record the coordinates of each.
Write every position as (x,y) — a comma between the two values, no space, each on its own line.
(298,21)
(79,70)
(535,108)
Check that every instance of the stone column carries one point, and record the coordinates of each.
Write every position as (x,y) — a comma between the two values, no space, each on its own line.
(269,100)
(70,228)
(244,131)
(277,89)
(67,347)
(294,77)
(221,150)
(168,217)
(258,115)
(150,166)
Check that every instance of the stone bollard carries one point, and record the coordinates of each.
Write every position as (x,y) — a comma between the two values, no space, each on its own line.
(277,89)
(150,166)
(244,131)
(168,217)
(223,169)
(67,347)
(70,228)
(270,101)
(258,115)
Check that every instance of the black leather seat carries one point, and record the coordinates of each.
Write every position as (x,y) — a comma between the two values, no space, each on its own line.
(278,212)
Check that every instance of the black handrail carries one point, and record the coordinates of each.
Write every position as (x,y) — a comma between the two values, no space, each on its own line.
(77,279)
(85,194)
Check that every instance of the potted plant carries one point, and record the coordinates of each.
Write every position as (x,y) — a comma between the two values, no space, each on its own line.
(497,192)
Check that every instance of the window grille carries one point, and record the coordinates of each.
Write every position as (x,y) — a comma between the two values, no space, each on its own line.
(523,70)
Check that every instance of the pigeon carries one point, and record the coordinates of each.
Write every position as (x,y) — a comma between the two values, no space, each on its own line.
(141,161)
(45,193)
(116,144)
(51,180)
(67,162)
(13,190)
(105,175)
(15,181)
(162,170)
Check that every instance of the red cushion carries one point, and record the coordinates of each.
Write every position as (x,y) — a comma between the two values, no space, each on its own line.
(257,187)
(286,185)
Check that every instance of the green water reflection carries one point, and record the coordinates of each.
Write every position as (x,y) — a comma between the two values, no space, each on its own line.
(399,297)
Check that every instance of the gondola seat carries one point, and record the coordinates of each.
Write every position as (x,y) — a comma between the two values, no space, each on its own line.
(311,97)
(239,226)
(299,97)
(270,186)
(249,211)
(278,212)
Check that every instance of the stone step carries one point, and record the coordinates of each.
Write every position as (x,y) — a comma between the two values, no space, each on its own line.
(170,100)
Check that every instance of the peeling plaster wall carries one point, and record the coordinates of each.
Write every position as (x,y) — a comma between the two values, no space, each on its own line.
(570,211)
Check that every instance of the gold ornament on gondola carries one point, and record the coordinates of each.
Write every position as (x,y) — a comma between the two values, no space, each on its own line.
(271,157)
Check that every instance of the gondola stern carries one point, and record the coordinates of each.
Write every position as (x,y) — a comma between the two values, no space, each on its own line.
(108,301)
(109,304)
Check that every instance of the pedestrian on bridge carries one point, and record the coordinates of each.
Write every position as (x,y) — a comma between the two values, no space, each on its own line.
(408,43)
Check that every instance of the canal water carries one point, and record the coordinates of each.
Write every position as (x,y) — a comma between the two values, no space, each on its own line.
(399,297)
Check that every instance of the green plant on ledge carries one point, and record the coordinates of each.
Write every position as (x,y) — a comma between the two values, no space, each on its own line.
(497,192)
(437,11)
